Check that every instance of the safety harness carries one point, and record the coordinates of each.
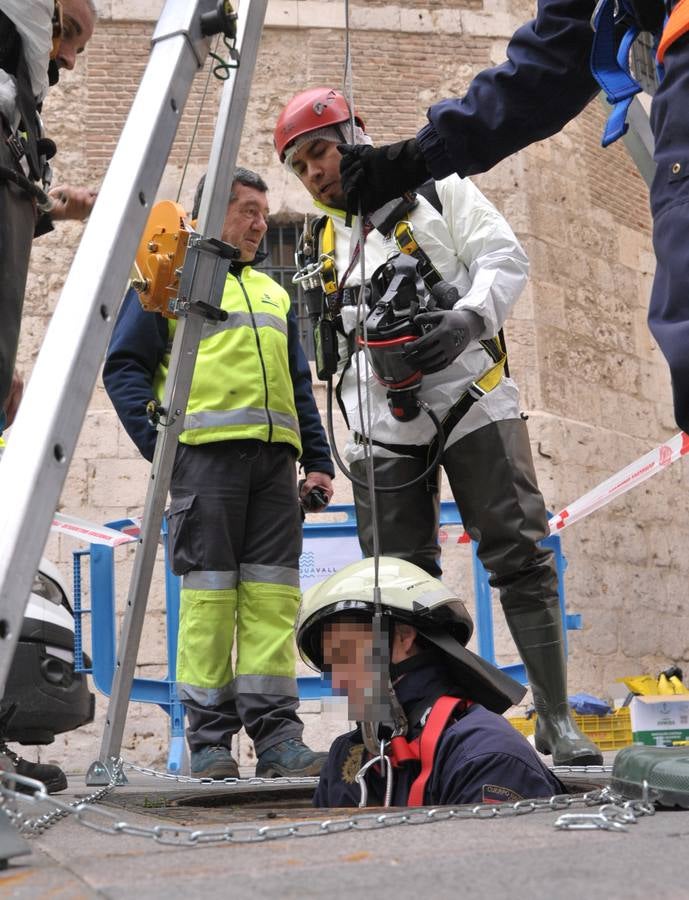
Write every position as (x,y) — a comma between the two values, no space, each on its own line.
(30,149)
(610,63)
(327,247)
(392,219)
(422,748)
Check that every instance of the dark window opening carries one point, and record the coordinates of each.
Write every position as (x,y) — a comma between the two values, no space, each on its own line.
(280,243)
(643,63)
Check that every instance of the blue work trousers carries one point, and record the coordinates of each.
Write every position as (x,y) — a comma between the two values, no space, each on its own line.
(668,315)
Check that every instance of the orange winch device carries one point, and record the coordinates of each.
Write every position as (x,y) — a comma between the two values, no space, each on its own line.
(160,257)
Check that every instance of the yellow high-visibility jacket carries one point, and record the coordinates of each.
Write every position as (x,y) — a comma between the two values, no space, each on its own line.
(242,387)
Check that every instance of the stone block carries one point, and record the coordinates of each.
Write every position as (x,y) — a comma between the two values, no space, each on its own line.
(99,435)
(137,10)
(123,480)
(282,14)
(495,25)
(319,15)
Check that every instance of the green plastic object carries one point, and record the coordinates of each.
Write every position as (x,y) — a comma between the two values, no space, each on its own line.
(665,771)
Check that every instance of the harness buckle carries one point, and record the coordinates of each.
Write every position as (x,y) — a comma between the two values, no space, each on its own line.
(16,145)
(424,717)
(328,273)
(404,238)
(475,391)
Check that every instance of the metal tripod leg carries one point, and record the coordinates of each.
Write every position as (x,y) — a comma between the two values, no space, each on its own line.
(11,844)
(639,141)
(37,458)
(35,465)
(200,280)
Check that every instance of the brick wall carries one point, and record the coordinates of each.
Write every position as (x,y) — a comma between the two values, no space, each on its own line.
(592,380)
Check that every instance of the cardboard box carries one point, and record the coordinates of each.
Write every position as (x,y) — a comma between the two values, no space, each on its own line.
(660,720)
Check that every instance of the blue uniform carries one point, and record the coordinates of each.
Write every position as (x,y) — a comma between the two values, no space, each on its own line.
(547,81)
(480,757)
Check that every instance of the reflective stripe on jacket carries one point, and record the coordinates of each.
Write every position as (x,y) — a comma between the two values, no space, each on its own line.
(253,398)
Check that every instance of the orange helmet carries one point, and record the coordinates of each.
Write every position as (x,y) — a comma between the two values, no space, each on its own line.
(315,108)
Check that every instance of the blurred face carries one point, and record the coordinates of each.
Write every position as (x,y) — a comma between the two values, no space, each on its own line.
(348,655)
(318,166)
(246,220)
(77,27)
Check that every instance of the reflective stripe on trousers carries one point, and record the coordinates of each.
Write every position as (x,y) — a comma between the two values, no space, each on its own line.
(206,636)
(265,612)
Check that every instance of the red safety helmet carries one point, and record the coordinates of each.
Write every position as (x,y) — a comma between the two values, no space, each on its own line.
(315,108)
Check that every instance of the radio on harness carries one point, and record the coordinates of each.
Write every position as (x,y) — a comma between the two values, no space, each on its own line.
(318,279)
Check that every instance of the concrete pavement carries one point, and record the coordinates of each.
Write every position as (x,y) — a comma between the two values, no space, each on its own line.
(515,857)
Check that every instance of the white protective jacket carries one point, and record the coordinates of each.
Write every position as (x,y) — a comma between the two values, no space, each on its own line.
(473,247)
(34,23)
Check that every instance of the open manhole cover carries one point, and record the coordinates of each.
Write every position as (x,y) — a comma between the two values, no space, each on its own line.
(192,807)
(297,797)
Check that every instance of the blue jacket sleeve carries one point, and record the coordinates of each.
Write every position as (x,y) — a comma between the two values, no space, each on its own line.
(138,345)
(545,82)
(315,455)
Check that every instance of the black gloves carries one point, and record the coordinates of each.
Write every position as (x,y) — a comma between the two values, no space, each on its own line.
(374,175)
(449,333)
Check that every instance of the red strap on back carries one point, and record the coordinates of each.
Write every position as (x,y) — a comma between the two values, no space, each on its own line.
(423,747)
(402,750)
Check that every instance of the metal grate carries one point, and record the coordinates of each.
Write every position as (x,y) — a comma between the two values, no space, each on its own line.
(280,244)
(79,612)
(643,63)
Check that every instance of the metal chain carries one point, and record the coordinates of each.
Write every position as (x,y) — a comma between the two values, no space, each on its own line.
(304,781)
(614,814)
(38,825)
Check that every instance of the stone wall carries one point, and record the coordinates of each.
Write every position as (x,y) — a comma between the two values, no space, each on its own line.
(593,382)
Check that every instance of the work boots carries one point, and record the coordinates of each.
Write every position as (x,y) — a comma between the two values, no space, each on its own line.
(213,761)
(289,758)
(52,777)
(538,636)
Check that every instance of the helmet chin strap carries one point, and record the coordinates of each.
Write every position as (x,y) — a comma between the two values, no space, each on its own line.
(391,716)
(377,745)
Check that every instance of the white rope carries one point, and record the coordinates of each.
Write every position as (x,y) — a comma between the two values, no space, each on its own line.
(197,120)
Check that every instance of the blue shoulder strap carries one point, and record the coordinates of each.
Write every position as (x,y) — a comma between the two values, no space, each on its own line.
(611,69)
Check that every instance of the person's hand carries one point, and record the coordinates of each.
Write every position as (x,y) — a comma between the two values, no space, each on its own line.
(319,480)
(14,398)
(449,333)
(71,202)
(374,175)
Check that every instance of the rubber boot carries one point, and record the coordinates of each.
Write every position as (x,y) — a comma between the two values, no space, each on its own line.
(538,636)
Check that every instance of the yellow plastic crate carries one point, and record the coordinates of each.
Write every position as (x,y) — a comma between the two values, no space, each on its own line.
(609,732)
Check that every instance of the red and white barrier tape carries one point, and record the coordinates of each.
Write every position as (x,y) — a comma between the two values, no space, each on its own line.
(87,531)
(635,473)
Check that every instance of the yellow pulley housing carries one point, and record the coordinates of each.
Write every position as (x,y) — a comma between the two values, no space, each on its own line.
(160,257)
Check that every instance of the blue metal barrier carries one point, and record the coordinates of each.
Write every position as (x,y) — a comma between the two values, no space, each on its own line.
(163,692)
